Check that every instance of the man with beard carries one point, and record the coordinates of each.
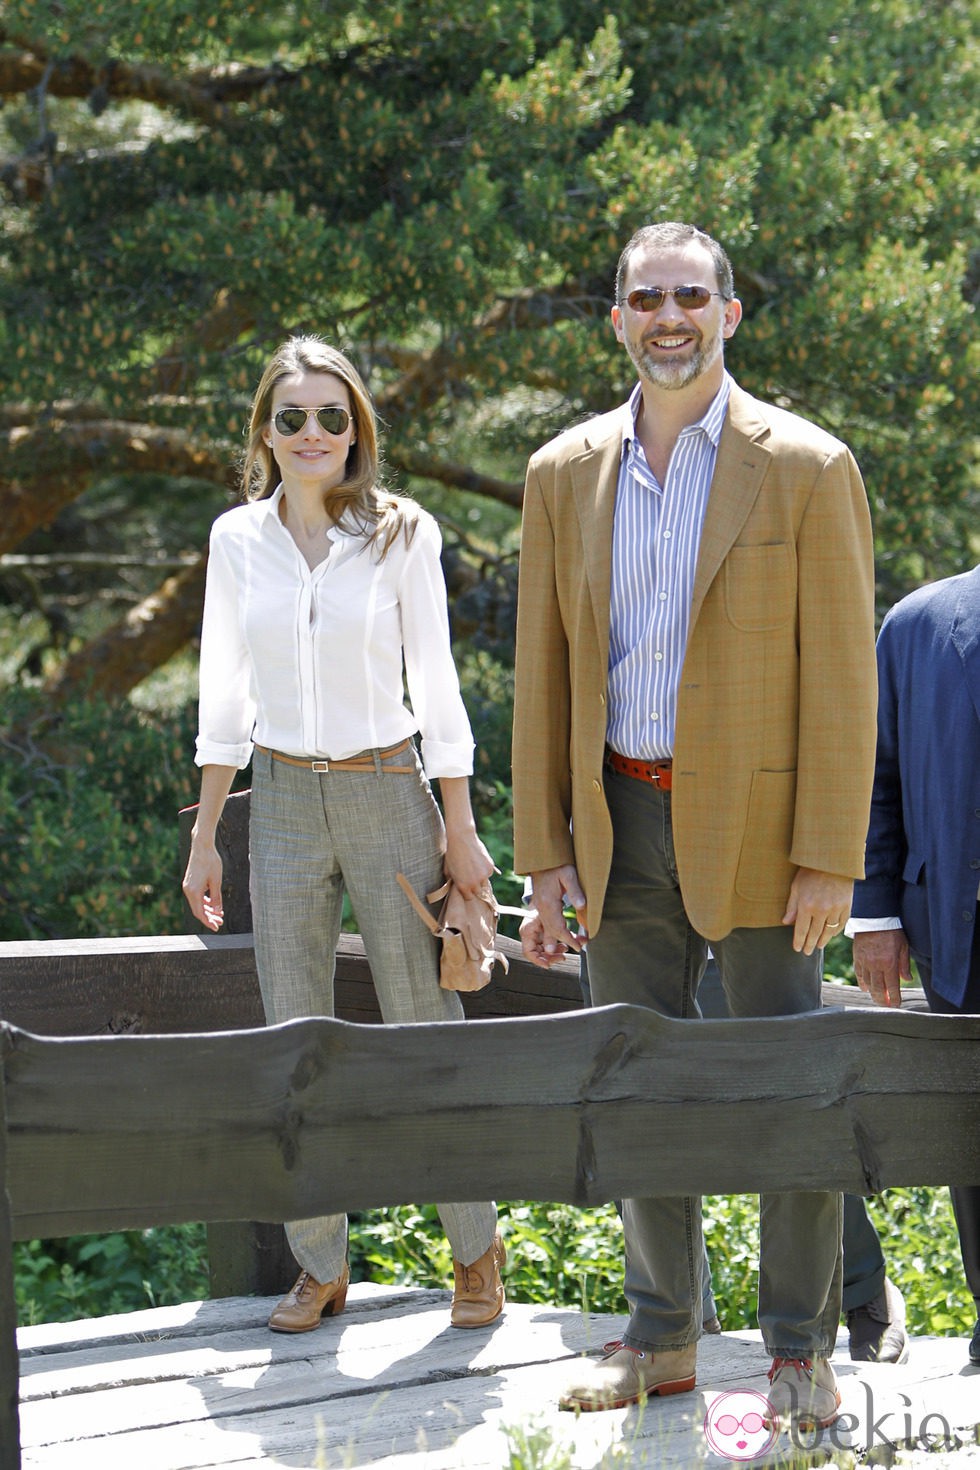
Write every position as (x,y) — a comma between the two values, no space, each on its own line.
(693,756)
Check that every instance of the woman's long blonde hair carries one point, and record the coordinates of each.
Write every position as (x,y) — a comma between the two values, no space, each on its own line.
(381,515)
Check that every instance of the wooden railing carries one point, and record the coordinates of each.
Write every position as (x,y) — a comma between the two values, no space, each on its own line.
(139,1088)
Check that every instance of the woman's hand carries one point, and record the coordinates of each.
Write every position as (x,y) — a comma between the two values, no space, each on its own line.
(202,881)
(202,885)
(467,862)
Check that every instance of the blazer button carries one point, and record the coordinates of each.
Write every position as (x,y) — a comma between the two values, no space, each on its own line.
(596,785)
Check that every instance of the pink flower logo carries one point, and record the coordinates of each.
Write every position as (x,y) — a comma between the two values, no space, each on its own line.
(740,1425)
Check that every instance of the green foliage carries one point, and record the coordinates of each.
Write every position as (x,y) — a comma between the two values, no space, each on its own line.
(445,193)
(556,1255)
(88,819)
(838,962)
(561,1254)
(918,1233)
(98,1275)
(118,28)
(574,1258)
(487,686)
(532,1445)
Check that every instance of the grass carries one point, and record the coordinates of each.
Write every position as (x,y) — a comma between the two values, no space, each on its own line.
(556,1254)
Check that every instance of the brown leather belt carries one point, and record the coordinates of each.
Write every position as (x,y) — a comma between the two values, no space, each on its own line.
(364,761)
(658,773)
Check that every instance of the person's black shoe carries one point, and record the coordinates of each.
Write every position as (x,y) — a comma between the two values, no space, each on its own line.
(975,1345)
(877,1328)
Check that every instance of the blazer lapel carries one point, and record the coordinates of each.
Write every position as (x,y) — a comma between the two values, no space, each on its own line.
(739,471)
(595,479)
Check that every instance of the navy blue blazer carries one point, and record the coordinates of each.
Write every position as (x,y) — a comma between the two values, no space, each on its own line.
(923,851)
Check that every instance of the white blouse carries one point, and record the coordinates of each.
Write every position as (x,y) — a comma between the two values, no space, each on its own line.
(314,662)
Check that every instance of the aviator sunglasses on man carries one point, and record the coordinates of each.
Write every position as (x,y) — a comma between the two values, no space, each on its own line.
(652,298)
(290,421)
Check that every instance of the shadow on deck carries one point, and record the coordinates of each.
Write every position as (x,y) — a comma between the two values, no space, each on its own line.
(391,1384)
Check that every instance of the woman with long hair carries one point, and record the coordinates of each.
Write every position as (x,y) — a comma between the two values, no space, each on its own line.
(325,595)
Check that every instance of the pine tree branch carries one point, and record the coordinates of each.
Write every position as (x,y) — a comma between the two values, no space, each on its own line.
(457,476)
(48,465)
(143,640)
(26,66)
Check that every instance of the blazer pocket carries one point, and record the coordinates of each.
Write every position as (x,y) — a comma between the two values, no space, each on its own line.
(760,586)
(764,871)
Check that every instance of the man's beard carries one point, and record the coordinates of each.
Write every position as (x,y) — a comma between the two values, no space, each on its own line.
(667,372)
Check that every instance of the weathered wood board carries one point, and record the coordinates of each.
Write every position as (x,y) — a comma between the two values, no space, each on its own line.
(390,1384)
(169,984)
(141,1123)
(316,1116)
(207,982)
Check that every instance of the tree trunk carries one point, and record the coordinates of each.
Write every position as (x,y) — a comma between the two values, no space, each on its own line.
(131,649)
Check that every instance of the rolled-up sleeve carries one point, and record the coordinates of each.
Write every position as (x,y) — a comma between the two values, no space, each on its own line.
(226,710)
(433,685)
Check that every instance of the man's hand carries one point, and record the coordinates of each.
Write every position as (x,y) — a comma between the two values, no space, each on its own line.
(545,937)
(818,908)
(881,963)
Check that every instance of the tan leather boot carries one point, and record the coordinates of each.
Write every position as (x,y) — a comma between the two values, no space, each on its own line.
(302,1308)
(803,1392)
(478,1292)
(626,1375)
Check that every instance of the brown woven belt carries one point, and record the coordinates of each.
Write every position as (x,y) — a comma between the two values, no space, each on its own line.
(365,761)
(658,773)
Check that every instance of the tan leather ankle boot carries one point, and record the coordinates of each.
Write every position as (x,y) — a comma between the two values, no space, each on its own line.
(302,1308)
(478,1292)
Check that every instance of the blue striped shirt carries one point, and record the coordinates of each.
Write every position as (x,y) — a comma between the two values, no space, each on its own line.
(656,538)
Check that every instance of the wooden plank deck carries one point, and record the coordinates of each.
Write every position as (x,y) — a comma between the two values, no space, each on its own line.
(390,1384)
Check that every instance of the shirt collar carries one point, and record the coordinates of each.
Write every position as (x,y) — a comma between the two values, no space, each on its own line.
(270,506)
(711,423)
(269,510)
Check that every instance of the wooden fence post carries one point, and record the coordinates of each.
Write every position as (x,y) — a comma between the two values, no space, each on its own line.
(249,1258)
(231,841)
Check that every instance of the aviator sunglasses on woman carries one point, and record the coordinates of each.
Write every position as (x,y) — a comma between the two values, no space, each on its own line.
(290,421)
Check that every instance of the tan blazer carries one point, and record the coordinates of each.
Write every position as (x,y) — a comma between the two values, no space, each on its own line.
(776,717)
